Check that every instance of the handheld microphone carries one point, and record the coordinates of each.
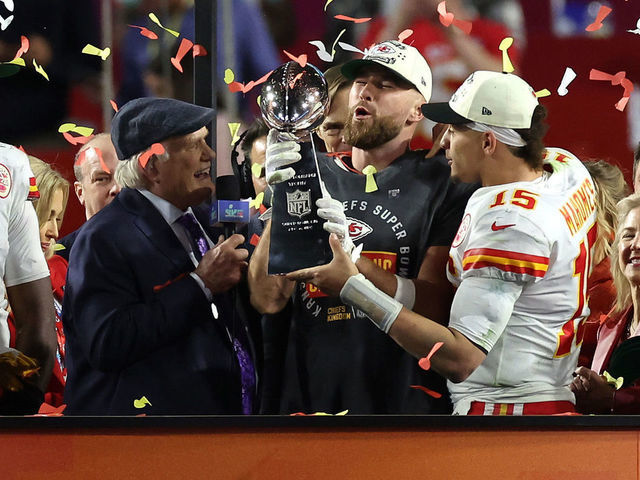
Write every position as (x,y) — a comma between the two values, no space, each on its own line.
(229,209)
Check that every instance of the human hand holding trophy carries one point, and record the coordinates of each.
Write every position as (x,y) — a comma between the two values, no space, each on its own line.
(293,102)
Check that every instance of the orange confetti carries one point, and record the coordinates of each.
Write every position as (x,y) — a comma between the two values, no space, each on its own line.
(185,46)
(463,25)
(47,410)
(76,140)
(405,34)
(597,24)
(427,391)
(351,19)
(24,47)
(254,240)
(241,87)
(156,149)
(302,59)
(199,51)
(101,160)
(425,362)
(295,79)
(617,79)
(114,105)
(145,32)
(446,18)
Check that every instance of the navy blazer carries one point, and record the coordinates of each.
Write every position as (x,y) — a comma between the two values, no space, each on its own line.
(137,324)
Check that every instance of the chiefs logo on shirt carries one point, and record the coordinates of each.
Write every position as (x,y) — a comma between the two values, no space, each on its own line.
(358,229)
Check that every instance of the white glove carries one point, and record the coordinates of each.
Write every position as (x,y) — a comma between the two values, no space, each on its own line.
(332,211)
(282,150)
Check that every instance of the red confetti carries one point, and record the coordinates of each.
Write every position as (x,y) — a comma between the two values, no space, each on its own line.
(427,391)
(295,79)
(80,140)
(24,47)
(199,51)
(101,160)
(47,410)
(425,362)
(351,19)
(405,34)
(446,18)
(565,414)
(21,149)
(114,105)
(145,32)
(185,46)
(302,59)
(597,24)
(463,25)
(156,149)
(241,87)
(254,240)
(617,79)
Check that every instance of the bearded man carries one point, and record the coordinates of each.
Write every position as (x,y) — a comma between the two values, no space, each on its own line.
(406,220)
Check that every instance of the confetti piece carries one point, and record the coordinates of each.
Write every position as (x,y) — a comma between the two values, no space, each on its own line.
(425,362)
(350,48)
(351,19)
(463,25)
(114,105)
(228,76)
(156,149)
(597,24)
(141,403)
(24,48)
(91,50)
(72,127)
(258,99)
(427,391)
(446,18)
(254,240)
(8,4)
(145,32)
(405,34)
(101,160)
(256,202)
(615,382)
(295,79)
(5,22)
(567,78)
(370,185)
(59,247)
(185,46)
(155,20)
(241,87)
(507,66)
(302,59)
(322,52)
(617,79)
(327,4)
(17,61)
(233,128)
(543,93)
(76,140)
(256,170)
(637,30)
(199,51)
(40,70)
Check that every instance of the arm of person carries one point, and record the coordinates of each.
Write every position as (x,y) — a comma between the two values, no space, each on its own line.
(268,293)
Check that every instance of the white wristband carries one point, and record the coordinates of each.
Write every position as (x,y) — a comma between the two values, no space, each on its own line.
(377,305)
(405,292)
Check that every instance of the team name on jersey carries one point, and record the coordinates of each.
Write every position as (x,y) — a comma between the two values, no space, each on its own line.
(581,204)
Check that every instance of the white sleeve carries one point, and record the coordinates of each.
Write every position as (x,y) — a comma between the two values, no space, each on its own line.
(482,307)
(25,260)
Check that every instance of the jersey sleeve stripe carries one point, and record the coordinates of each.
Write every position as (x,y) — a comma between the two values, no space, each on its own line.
(527,268)
(506,254)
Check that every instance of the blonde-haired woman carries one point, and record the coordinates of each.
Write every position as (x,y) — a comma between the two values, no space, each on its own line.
(611,187)
(593,393)
(50,208)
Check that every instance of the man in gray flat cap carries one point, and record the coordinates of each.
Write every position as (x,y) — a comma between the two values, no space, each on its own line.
(149,328)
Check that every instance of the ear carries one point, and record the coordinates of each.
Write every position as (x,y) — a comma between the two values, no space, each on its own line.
(489,143)
(77,186)
(150,171)
(415,114)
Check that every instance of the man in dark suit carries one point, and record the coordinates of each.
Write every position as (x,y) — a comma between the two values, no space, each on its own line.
(148,327)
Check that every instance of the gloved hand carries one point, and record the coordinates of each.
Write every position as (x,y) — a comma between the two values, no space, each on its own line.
(14,367)
(282,150)
(332,211)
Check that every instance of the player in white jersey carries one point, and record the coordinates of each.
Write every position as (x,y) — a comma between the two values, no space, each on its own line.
(520,259)
(25,285)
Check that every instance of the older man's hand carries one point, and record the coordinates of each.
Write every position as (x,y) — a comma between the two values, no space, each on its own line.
(221,267)
(15,366)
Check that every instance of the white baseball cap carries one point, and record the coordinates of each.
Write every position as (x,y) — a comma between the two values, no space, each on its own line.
(403,59)
(493,98)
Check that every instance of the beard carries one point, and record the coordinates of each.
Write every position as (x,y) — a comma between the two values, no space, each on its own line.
(369,135)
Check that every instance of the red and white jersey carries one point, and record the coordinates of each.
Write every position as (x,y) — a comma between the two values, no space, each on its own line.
(21,257)
(538,234)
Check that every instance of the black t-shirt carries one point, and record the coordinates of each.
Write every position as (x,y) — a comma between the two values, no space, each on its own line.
(336,358)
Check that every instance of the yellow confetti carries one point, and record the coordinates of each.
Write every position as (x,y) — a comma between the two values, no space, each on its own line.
(233,128)
(18,61)
(58,246)
(256,170)
(616,382)
(255,203)
(91,50)
(40,70)
(72,127)
(84,131)
(327,4)
(155,20)
(229,76)
(259,98)
(507,66)
(142,402)
(371,185)
(543,93)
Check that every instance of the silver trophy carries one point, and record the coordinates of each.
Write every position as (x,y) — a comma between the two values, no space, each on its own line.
(294,101)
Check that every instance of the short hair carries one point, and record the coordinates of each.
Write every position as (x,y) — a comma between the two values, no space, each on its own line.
(336,80)
(533,150)
(48,181)
(611,187)
(623,289)
(129,173)
(636,161)
(77,168)
(256,130)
